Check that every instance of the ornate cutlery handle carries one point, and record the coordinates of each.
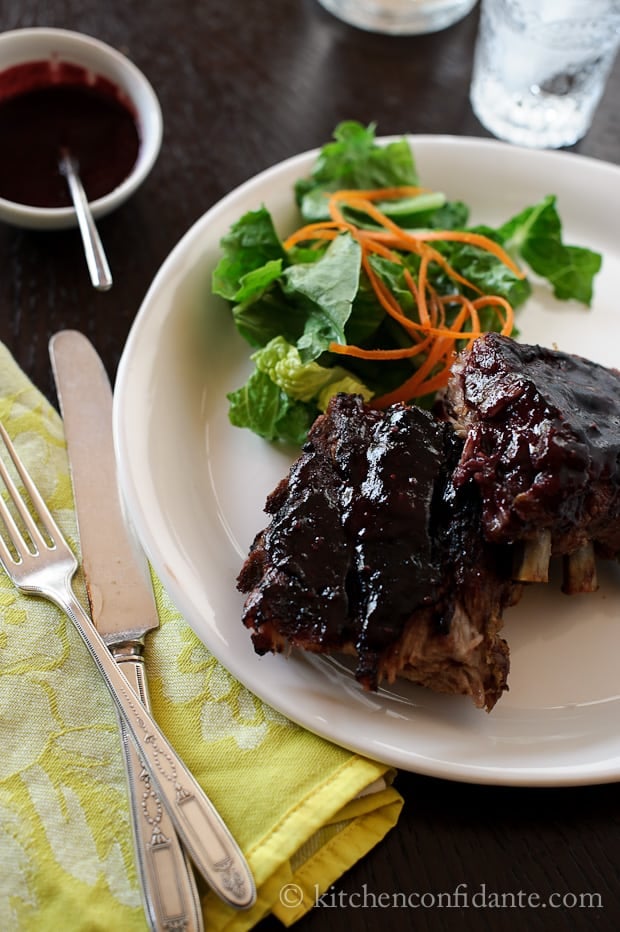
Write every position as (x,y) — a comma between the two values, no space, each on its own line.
(168,884)
(208,841)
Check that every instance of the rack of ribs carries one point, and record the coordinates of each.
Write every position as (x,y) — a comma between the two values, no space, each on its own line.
(541,432)
(373,551)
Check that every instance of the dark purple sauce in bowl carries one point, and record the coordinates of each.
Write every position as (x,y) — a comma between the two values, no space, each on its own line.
(60,89)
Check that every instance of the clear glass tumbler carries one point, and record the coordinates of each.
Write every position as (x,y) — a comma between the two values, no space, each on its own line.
(540,67)
(404,17)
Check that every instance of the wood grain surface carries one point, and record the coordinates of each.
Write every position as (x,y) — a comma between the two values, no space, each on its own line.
(243,84)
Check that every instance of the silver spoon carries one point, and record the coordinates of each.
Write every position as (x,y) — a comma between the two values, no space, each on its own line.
(96,259)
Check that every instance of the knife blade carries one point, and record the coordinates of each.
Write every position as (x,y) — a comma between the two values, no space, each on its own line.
(123,610)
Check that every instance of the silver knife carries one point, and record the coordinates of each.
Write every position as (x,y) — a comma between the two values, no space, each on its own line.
(123,610)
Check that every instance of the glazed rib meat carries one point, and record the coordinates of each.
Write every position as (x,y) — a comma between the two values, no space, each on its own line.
(541,432)
(371,551)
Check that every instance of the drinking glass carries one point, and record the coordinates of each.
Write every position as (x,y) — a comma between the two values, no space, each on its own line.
(540,67)
(400,16)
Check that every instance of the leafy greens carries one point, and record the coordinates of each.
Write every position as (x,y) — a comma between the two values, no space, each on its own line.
(291,304)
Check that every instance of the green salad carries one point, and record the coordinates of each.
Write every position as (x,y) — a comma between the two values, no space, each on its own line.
(304,306)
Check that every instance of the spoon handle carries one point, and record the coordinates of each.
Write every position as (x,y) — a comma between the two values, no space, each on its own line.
(96,259)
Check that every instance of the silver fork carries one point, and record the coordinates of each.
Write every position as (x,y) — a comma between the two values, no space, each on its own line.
(44,565)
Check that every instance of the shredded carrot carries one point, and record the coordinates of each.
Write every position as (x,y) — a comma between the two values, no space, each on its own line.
(433,341)
(324,230)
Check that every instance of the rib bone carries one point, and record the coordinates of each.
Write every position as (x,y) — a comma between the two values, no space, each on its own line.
(532,559)
(580,571)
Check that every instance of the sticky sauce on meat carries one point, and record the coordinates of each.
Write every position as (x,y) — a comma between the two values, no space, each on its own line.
(349,543)
(542,443)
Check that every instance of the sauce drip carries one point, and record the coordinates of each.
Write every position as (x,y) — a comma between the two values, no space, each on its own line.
(45,106)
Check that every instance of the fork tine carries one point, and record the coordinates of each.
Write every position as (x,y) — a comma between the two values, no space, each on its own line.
(6,557)
(41,508)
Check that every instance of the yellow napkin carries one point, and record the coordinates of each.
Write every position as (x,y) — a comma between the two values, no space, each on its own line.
(296,803)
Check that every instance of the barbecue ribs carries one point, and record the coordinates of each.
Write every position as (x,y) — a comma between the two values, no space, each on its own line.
(541,432)
(372,551)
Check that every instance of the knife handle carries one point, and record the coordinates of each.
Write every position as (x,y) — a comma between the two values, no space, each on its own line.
(208,841)
(169,888)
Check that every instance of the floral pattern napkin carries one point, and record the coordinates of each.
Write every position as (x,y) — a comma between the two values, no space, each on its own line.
(302,809)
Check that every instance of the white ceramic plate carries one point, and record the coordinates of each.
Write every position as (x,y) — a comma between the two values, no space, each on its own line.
(195,488)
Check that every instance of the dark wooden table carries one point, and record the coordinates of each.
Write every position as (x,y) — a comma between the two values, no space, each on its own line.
(243,84)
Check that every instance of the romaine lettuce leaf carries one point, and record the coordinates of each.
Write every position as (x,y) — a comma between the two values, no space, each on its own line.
(283,395)
(535,235)
(302,381)
(354,160)
(326,289)
(251,243)
(268,315)
(482,269)
(262,407)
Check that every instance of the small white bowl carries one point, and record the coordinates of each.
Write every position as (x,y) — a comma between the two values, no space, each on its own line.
(21,46)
